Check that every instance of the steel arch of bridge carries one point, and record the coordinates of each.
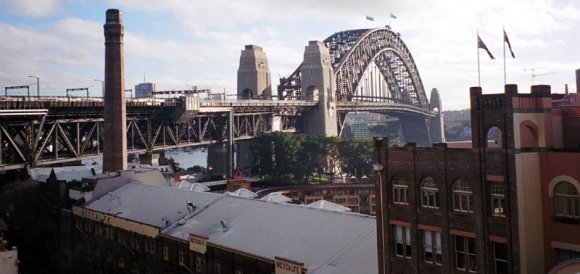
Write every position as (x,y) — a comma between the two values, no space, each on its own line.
(352,52)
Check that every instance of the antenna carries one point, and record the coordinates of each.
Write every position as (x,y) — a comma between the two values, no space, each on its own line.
(534,75)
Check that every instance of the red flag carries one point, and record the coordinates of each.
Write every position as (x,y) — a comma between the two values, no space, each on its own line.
(481,45)
(506,40)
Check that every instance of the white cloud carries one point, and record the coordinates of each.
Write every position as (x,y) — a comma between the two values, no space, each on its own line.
(33,8)
(439,33)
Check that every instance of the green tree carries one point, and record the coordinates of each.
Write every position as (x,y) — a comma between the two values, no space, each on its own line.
(356,156)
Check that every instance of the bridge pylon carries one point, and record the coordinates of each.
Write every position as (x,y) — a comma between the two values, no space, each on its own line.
(318,85)
(254,80)
(437,123)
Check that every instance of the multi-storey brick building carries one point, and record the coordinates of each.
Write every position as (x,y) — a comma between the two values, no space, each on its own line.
(359,198)
(511,208)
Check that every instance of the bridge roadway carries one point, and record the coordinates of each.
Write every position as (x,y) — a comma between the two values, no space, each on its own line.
(48,130)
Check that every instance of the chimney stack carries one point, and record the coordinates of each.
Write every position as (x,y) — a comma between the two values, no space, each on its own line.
(114,136)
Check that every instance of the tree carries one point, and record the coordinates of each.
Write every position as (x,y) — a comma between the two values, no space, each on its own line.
(356,156)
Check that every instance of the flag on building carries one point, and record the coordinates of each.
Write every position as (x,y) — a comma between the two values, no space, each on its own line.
(370,18)
(506,40)
(393,16)
(481,45)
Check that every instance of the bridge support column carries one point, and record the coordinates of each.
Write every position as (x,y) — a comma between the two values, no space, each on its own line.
(415,129)
(217,159)
(149,159)
(254,74)
(245,158)
(318,85)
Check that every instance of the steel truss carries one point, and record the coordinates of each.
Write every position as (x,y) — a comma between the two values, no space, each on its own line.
(35,141)
(352,52)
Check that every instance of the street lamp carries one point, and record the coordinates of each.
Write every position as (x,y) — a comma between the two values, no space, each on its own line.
(37,85)
(102,87)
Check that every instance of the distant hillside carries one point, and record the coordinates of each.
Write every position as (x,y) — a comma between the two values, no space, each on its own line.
(457,125)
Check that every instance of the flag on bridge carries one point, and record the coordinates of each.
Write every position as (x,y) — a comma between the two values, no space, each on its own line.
(481,45)
(506,40)
(370,18)
(393,16)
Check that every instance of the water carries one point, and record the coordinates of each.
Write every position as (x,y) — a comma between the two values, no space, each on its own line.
(186,157)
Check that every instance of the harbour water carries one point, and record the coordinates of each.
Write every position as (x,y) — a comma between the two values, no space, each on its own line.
(186,157)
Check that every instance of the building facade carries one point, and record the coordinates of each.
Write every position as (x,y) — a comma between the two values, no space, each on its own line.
(485,209)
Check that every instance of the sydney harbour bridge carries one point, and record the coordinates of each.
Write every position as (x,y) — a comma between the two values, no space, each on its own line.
(350,71)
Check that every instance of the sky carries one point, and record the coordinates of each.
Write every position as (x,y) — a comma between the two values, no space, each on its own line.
(177,44)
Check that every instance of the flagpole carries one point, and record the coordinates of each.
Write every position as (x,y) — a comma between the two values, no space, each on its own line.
(478,66)
(504,70)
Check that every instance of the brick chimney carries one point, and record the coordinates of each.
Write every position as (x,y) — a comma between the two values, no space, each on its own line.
(114,138)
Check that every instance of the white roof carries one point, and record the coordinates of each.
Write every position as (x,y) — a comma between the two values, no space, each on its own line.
(327,242)
(192,187)
(153,205)
(242,192)
(323,204)
(68,173)
(276,198)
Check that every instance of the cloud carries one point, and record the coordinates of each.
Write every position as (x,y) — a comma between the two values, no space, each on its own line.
(183,42)
(33,8)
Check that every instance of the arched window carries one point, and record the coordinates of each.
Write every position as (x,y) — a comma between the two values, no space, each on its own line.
(462,197)
(493,138)
(429,193)
(400,187)
(567,200)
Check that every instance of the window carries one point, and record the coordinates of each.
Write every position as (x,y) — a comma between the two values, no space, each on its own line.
(217,267)
(498,199)
(465,258)
(564,255)
(400,187)
(429,193)
(198,263)
(432,247)
(462,197)
(402,241)
(500,255)
(181,259)
(567,200)
(166,253)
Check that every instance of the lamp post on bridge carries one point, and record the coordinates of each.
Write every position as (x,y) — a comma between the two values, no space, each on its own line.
(37,84)
(102,87)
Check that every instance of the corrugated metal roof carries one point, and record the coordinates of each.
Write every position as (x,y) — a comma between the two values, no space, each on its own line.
(325,241)
(151,205)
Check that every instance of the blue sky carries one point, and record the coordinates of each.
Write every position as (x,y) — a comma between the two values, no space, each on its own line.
(179,43)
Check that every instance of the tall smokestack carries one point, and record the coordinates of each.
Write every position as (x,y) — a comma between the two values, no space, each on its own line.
(114,136)
(578,81)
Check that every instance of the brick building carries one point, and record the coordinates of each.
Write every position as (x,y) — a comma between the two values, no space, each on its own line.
(140,228)
(510,208)
(359,198)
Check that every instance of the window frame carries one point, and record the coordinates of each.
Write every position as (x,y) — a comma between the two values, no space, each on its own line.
(429,193)
(436,250)
(400,190)
(404,241)
(462,197)
(497,195)
(496,259)
(566,205)
(468,252)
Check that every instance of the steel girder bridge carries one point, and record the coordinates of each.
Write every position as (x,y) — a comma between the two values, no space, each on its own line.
(51,130)
(374,71)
